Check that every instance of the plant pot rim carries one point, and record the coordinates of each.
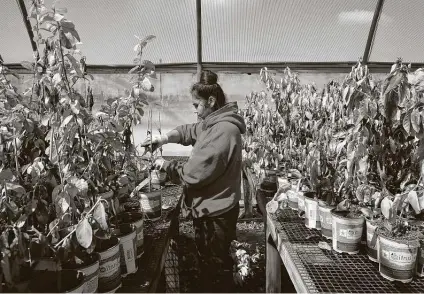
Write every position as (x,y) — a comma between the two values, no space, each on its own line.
(400,240)
(335,213)
(325,205)
(130,213)
(114,238)
(312,199)
(85,265)
(151,192)
(133,230)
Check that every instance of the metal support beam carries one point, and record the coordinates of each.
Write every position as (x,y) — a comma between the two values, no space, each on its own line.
(373,30)
(27,23)
(199,36)
(238,67)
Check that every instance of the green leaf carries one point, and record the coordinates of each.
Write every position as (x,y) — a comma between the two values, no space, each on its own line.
(416,120)
(148,65)
(75,64)
(84,233)
(16,188)
(28,65)
(6,175)
(372,107)
(407,123)
(134,69)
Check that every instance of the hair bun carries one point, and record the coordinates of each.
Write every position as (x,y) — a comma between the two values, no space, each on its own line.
(208,77)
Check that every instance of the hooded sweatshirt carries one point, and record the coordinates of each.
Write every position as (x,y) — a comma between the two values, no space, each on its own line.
(212,175)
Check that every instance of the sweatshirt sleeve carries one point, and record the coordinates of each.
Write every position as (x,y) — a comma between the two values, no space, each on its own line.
(189,133)
(207,163)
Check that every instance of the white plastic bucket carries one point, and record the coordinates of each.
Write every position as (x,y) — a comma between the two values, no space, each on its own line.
(301,203)
(127,247)
(326,221)
(372,240)
(312,214)
(397,259)
(110,268)
(347,233)
(151,203)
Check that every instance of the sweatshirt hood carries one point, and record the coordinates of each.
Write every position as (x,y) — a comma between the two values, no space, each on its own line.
(227,113)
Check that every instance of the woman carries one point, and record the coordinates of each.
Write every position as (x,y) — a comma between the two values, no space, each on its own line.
(210,177)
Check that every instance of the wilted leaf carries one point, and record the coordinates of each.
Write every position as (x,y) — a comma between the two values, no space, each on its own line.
(84,233)
(21,221)
(386,207)
(75,107)
(62,203)
(66,121)
(412,199)
(99,215)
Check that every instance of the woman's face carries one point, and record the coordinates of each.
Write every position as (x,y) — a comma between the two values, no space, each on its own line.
(202,107)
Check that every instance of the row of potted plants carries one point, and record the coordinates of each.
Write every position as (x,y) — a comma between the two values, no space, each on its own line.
(74,191)
(349,159)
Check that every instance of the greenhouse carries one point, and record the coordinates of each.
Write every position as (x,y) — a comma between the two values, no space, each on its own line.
(233,146)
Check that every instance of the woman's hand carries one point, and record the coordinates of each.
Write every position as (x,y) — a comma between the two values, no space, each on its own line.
(155,142)
(158,163)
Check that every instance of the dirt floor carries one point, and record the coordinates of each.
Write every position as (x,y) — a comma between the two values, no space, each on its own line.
(252,236)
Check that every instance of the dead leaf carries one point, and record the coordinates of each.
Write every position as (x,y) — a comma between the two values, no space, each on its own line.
(99,215)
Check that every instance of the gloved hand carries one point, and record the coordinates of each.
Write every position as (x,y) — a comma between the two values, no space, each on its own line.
(156,142)
(158,163)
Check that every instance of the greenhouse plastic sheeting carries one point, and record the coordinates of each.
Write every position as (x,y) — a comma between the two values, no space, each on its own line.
(233,30)
(399,32)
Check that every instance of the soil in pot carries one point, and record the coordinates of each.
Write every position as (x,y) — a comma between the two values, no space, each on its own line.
(312,220)
(397,255)
(326,219)
(372,239)
(269,182)
(110,263)
(347,231)
(136,219)
(128,248)
(151,204)
(90,267)
(71,281)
